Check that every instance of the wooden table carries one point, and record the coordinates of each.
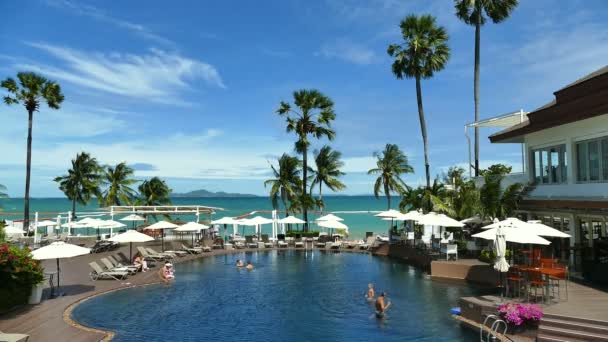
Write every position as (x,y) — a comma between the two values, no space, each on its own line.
(546,272)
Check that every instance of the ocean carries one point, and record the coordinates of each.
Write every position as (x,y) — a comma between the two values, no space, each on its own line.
(357,211)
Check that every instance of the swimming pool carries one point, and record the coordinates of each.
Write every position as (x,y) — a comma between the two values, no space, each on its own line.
(289,296)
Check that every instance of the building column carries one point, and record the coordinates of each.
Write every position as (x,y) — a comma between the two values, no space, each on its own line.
(575,237)
(571,161)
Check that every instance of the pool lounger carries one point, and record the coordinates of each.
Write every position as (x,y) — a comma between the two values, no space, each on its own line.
(98,273)
(153,256)
(14,337)
(111,267)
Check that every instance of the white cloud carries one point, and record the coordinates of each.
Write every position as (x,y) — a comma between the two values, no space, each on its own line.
(358,164)
(100,15)
(156,76)
(348,51)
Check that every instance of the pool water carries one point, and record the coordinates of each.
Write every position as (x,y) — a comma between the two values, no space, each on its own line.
(289,296)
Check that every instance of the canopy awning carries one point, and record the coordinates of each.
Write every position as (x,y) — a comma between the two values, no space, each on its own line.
(504,120)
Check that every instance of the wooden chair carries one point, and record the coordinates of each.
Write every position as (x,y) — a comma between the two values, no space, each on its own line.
(554,280)
(514,277)
(536,281)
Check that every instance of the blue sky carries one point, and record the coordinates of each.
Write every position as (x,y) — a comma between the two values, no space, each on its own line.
(188,91)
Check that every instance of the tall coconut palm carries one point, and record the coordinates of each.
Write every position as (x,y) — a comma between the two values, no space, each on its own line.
(154,191)
(118,180)
(496,202)
(82,181)
(285,182)
(391,164)
(30,92)
(328,165)
(312,116)
(2,193)
(423,52)
(472,12)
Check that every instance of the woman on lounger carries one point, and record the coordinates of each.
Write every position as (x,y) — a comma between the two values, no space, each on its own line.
(139,261)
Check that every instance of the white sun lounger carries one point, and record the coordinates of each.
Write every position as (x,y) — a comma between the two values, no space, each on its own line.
(98,273)
(13,337)
(111,267)
(153,256)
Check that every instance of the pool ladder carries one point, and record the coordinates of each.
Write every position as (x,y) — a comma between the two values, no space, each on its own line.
(494,328)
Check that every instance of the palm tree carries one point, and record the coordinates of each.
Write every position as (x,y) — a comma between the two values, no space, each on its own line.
(154,192)
(313,117)
(30,92)
(2,193)
(424,51)
(285,182)
(82,181)
(472,13)
(495,202)
(391,164)
(118,180)
(328,170)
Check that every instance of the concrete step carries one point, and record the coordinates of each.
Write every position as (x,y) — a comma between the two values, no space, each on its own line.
(550,338)
(575,325)
(575,319)
(571,335)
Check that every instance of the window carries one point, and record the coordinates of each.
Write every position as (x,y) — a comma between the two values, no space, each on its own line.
(550,165)
(592,160)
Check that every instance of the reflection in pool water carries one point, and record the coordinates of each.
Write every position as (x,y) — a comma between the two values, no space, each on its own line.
(289,296)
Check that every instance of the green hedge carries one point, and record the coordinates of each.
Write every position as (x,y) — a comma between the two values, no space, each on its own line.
(18,273)
(489,256)
(292,233)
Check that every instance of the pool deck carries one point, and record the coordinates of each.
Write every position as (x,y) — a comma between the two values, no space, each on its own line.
(46,322)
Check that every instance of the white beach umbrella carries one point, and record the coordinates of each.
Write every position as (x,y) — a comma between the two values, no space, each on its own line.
(540,229)
(59,250)
(131,236)
(434,219)
(162,225)
(500,249)
(46,223)
(257,221)
(90,221)
(392,213)
(133,218)
(191,227)
(333,225)
(111,224)
(509,221)
(411,215)
(329,217)
(512,234)
(474,219)
(291,220)
(224,220)
(12,230)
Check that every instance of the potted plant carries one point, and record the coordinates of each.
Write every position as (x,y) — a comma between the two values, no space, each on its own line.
(521,316)
(21,277)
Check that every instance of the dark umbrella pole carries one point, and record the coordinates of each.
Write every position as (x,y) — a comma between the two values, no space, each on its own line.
(130,251)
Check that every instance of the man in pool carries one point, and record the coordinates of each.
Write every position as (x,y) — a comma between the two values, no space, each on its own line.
(249,265)
(239,263)
(381,307)
(370,292)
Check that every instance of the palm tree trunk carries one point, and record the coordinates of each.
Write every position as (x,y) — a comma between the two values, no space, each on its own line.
(423,130)
(476,84)
(304,179)
(28,170)
(388,195)
(321,197)
(74,209)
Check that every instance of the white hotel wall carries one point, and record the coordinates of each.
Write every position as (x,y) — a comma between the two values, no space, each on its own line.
(568,134)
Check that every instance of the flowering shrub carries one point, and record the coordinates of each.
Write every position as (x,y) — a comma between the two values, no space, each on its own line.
(519,314)
(18,272)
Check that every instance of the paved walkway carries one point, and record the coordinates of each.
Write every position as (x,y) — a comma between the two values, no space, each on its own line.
(583,301)
(45,321)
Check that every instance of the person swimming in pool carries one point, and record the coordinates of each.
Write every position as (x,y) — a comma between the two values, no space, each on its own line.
(381,307)
(166,272)
(370,292)
(249,265)
(239,263)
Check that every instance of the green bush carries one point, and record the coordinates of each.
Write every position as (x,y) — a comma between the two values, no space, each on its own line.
(489,256)
(292,233)
(18,273)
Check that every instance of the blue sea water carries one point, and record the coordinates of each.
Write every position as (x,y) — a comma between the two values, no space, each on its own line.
(359,220)
(289,296)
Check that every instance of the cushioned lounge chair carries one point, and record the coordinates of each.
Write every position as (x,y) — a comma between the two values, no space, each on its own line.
(152,256)
(192,250)
(99,273)
(14,337)
(267,242)
(110,266)
(298,243)
(281,241)
(250,243)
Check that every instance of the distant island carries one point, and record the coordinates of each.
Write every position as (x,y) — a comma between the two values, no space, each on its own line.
(207,193)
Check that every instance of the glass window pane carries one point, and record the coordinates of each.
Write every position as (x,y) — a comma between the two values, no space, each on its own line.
(581,160)
(605,158)
(537,167)
(594,161)
(563,163)
(553,171)
(544,157)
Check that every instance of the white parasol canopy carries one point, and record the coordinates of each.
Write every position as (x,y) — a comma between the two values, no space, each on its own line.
(12,230)
(540,229)
(161,225)
(191,227)
(225,220)
(59,250)
(131,236)
(332,224)
(329,217)
(74,224)
(391,213)
(473,219)
(512,234)
(133,217)
(257,220)
(509,221)
(434,219)
(90,221)
(46,223)
(291,220)
(411,215)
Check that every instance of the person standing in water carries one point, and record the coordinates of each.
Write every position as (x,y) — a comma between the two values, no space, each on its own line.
(249,265)
(381,307)
(370,292)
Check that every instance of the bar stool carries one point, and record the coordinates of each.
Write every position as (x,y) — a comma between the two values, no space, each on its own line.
(536,281)
(554,280)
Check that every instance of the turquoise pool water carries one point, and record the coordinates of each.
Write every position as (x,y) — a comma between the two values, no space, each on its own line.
(289,296)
